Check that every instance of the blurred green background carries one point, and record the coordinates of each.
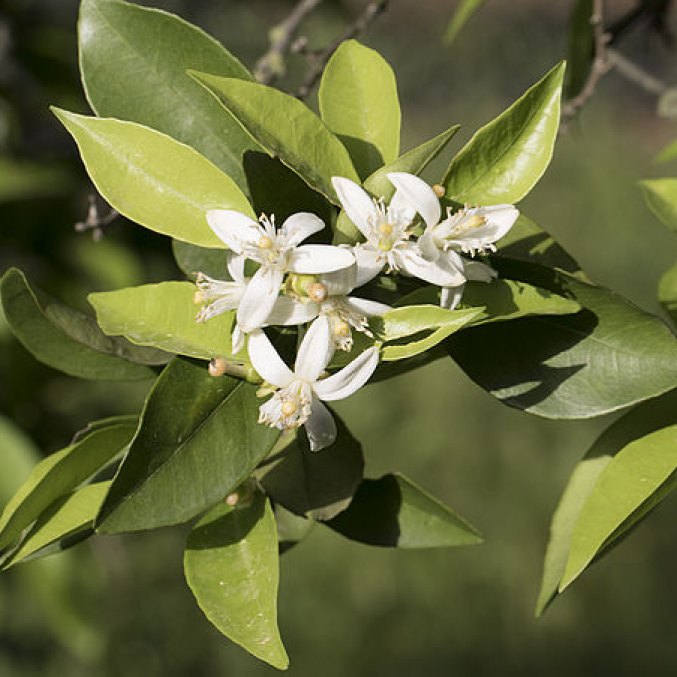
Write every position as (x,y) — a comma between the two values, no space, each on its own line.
(118,606)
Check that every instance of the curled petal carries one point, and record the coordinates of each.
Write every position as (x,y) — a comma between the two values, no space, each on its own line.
(478,271)
(444,272)
(340,282)
(369,263)
(428,247)
(419,195)
(234,229)
(315,351)
(298,227)
(366,307)
(320,426)
(259,298)
(451,296)
(235,265)
(349,379)
(267,362)
(311,259)
(289,311)
(357,204)
(236,340)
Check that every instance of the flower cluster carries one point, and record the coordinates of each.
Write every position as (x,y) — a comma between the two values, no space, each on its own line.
(296,284)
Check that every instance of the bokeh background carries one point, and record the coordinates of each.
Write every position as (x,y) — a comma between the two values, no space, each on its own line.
(118,606)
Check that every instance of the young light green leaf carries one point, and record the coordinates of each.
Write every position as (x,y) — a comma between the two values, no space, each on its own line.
(359,103)
(661,197)
(64,523)
(152,179)
(59,474)
(393,511)
(503,161)
(133,62)
(286,128)
(197,441)
(640,421)
(463,12)
(667,291)
(639,472)
(606,357)
(315,484)
(231,566)
(65,339)
(163,316)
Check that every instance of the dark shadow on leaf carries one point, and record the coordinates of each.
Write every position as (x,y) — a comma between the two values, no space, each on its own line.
(365,156)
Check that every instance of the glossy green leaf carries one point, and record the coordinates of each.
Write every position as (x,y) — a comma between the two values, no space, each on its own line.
(163,316)
(59,474)
(133,62)
(192,259)
(581,49)
(152,179)
(231,565)
(503,161)
(464,10)
(412,162)
(18,455)
(661,197)
(393,511)
(315,484)
(667,291)
(291,528)
(640,471)
(64,338)
(359,103)
(286,128)
(66,522)
(637,423)
(608,356)
(197,441)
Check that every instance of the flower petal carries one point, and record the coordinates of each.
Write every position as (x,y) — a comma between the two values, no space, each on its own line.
(419,195)
(235,265)
(445,272)
(311,259)
(366,307)
(451,296)
(350,379)
(340,282)
(267,362)
(315,351)
(298,227)
(233,228)
(357,204)
(478,271)
(428,247)
(236,340)
(259,298)
(289,311)
(320,426)
(369,263)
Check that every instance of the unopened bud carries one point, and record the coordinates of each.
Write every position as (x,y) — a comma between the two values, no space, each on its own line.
(217,366)
(439,190)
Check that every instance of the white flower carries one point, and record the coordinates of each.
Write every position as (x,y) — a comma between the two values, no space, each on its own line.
(388,229)
(450,297)
(277,252)
(301,392)
(220,296)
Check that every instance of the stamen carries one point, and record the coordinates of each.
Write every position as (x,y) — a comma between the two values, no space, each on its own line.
(317,292)
(341,329)
(265,242)
(217,367)
(289,407)
(198,298)
(386,228)
(439,190)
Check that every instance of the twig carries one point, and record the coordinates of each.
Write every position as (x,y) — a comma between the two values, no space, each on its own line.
(271,65)
(599,68)
(96,222)
(319,60)
(635,74)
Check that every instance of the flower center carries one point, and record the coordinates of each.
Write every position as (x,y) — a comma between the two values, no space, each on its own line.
(265,242)
(341,329)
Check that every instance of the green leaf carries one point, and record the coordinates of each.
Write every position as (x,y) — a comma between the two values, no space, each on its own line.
(503,161)
(606,357)
(315,484)
(463,12)
(393,511)
(17,458)
(412,162)
(197,441)
(133,62)
(66,522)
(286,128)
(66,339)
(231,565)
(191,259)
(152,179)
(359,103)
(20,180)
(641,473)
(640,421)
(581,47)
(661,197)
(291,528)
(667,291)
(163,316)
(668,154)
(59,474)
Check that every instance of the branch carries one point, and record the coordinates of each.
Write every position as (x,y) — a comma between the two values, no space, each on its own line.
(319,60)
(271,65)
(601,65)
(635,74)
(96,222)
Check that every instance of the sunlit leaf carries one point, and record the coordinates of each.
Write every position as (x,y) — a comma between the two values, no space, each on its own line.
(661,196)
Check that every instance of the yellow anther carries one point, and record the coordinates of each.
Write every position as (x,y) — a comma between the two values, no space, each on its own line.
(232,499)
(439,190)
(198,298)
(265,242)
(272,257)
(289,408)
(317,292)
(217,366)
(385,228)
(474,221)
(341,329)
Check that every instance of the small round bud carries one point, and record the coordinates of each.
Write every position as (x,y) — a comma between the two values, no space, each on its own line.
(385,228)
(198,298)
(341,329)
(317,292)
(265,242)
(217,367)
(232,499)
(439,190)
